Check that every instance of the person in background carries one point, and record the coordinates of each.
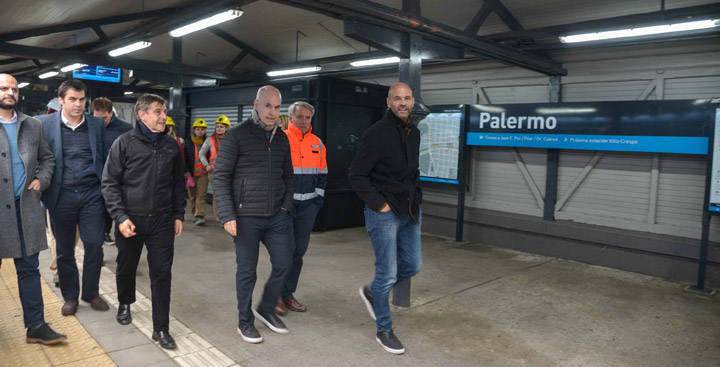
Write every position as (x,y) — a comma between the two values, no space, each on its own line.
(284,120)
(210,148)
(171,131)
(77,140)
(114,127)
(148,210)
(310,167)
(385,175)
(195,169)
(26,166)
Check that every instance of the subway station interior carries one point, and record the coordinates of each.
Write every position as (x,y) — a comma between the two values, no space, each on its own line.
(566,161)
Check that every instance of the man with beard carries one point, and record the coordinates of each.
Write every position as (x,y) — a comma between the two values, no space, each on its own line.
(77,140)
(26,165)
(144,189)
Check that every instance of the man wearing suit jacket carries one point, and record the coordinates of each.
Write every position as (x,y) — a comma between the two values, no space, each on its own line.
(77,141)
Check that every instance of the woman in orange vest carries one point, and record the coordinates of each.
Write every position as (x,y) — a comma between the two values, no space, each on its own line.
(212,146)
(194,167)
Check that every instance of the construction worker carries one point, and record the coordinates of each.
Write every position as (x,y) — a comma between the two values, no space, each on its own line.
(310,168)
(171,131)
(211,146)
(195,169)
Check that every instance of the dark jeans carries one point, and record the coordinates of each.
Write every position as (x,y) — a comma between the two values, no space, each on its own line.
(398,256)
(274,232)
(300,228)
(28,278)
(158,235)
(83,208)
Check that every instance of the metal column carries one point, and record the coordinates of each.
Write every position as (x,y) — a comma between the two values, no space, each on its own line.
(553,158)
(176,104)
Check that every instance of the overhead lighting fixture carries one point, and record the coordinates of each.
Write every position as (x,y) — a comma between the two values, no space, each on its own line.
(127,93)
(23,85)
(641,31)
(293,71)
(49,74)
(72,67)
(372,62)
(130,48)
(207,22)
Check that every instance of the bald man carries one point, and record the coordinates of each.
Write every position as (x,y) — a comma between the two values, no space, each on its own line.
(26,166)
(385,175)
(253,181)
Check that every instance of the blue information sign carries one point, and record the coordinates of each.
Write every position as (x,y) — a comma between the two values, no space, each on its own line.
(98,73)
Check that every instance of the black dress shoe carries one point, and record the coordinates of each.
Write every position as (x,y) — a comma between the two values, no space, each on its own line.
(124,316)
(166,341)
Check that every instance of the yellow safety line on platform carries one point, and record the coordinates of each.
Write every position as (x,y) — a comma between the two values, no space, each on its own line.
(79,350)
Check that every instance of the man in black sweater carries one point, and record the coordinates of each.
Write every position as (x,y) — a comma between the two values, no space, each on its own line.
(385,175)
(144,189)
(253,181)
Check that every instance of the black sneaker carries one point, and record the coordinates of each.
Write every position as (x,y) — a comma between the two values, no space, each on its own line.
(272,321)
(44,335)
(368,298)
(390,342)
(249,333)
(108,239)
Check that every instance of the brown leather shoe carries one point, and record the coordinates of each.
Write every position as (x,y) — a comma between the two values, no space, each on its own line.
(97,303)
(293,305)
(69,308)
(280,308)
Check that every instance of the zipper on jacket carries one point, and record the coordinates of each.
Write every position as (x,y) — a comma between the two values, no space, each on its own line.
(152,196)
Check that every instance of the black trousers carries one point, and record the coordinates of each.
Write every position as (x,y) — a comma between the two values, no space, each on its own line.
(108,222)
(157,233)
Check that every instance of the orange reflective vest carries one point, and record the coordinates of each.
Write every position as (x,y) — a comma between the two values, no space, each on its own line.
(213,151)
(198,168)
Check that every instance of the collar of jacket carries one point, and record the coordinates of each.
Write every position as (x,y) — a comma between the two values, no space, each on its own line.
(397,120)
(295,131)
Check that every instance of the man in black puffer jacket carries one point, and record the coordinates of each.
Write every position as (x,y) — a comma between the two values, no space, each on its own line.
(254,186)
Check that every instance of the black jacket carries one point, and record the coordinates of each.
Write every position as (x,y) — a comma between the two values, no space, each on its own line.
(253,177)
(142,180)
(385,168)
(189,148)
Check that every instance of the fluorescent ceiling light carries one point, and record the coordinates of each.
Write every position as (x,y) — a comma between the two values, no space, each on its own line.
(550,111)
(128,93)
(371,62)
(129,48)
(207,22)
(49,74)
(293,71)
(642,31)
(23,85)
(72,67)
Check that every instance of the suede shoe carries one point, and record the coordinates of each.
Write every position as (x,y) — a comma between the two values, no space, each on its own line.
(69,308)
(249,333)
(164,339)
(44,335)
(292,304)
(390,342)
(97,303)
(280,308)
(368,299)
(124,316)
(272,321)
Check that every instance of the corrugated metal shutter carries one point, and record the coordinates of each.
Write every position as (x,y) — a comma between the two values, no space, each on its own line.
(247,111)
(212,113)
(629,90)
(688,88)
(447,96)
(518,94)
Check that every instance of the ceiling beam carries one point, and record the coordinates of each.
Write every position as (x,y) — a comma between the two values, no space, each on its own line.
(241,45)
(390,17)
(479,18)
(70,56)
(101,35)
(504,14)
(42,31)
(236,60)
(12,60)
(689,13)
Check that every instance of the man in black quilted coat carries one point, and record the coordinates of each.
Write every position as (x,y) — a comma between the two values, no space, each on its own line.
(254,186)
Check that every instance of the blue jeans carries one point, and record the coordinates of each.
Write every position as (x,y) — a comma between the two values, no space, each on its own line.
(28,280)
(274,232)
(398,256)
(85,208)
(300,228)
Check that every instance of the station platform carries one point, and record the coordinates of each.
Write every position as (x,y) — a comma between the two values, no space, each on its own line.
(472,305)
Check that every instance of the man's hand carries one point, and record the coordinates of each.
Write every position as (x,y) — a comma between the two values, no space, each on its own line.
(231,227)
(127,228)
(178,227)
(209,168)
(35,185)
(385,208)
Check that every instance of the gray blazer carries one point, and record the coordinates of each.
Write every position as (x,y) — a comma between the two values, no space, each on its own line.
(39,163)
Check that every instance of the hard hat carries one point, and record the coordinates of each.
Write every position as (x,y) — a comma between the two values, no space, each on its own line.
(200,123)
(54,104)
(169,121)
(223,120)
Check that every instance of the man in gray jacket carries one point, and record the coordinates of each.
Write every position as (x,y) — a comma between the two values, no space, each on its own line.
(26,165)
(254,187)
